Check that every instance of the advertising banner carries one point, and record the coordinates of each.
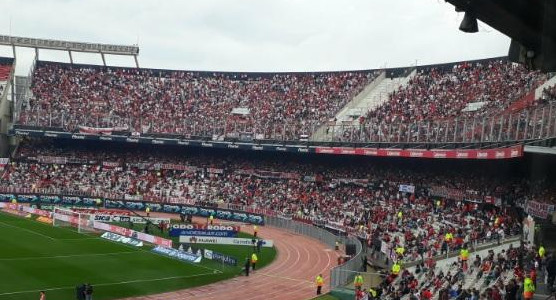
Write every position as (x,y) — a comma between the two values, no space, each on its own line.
(91,211)
(199,232)
(223,258)
(133,219)
(45,220)
(223,214)
(220,227)
(133,234)
(498,153)
(121,239)
(222,241)
(177,254)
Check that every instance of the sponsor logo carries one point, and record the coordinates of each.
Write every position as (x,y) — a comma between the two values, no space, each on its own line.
(370,152)
(439,154)
(514,153)
(131,140)
(77,137)
(257,147)
(416,154)
(177,254)
(158,142)
(303,150)
(222,241)
(207,144)
(105,138)
(393,153)
(462,154)
(482,154)
(500,154)
(281,149)
(347,151)
(183,143)
(326,150)
(19,132)
(47,134)
(103,218)
(206,227)
(233,146)
(229,260)
(198,232)
(121,239)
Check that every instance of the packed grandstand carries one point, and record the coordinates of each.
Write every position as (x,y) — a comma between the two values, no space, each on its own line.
(388,203)
(479,101)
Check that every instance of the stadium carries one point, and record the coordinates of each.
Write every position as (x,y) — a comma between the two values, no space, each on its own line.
(433,181)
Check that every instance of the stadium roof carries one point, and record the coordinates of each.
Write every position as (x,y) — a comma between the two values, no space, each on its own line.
(530,23)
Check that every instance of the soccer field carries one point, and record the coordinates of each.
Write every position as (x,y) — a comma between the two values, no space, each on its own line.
(36,256)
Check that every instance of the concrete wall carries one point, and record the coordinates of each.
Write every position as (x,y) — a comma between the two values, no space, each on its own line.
(5,117)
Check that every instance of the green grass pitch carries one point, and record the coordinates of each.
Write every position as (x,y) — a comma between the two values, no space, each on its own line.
(36,256)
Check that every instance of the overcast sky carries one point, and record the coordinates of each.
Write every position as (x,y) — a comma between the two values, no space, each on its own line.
(255,35)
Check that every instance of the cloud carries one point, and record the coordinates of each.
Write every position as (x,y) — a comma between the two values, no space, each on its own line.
(259,35)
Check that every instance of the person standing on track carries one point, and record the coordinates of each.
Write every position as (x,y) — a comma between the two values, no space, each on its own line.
(247,266)
(320,282)
(211,219)
(148,211)
(255,230)
(254,260)
(42,295)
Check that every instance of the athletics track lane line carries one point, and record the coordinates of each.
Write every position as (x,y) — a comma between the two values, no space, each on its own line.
(309,256)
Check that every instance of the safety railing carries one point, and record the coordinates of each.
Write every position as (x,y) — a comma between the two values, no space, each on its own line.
(536,123)
(340,275)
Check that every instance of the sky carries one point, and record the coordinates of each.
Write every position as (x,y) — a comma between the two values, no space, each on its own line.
(254,35)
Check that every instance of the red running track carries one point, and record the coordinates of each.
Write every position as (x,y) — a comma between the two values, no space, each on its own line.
(289,277)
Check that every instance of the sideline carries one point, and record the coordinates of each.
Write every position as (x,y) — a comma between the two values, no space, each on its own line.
(106,284)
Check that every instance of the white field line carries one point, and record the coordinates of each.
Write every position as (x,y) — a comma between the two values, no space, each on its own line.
(106,284)
(28,230)
(67,256)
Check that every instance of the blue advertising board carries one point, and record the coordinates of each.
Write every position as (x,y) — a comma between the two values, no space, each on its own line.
(199,232)
(177,254)
(223,214)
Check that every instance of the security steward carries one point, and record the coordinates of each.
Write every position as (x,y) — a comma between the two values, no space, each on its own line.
(464,256)
(319,281)
(542,252)
(528,288)
(254,260)
(358,282)
(396,268)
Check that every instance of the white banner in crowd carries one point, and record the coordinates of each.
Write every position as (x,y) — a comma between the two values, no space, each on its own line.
(407,188)
(221,241)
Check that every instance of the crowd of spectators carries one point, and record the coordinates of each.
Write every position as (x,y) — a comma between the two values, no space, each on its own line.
(178,102)
(497,273)
(549,94)
(432,107)
(438,93)
(347,194)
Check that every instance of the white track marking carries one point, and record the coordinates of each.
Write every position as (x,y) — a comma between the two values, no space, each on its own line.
(28,230)
(67,256)
(106,284)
